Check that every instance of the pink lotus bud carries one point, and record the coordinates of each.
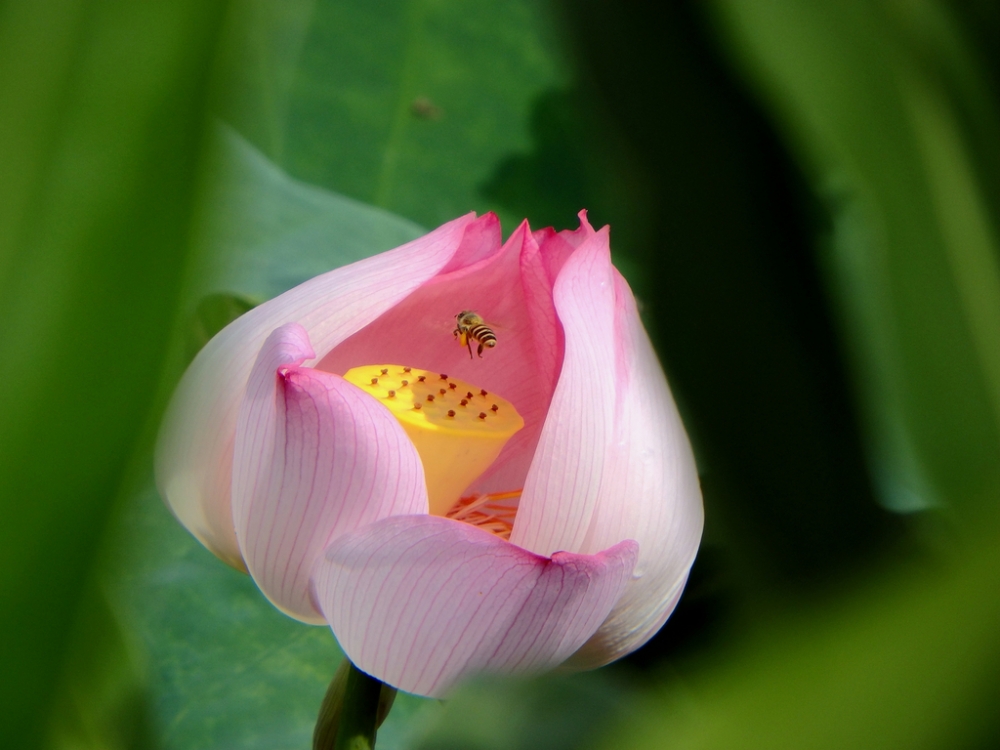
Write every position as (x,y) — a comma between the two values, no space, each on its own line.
(446,511)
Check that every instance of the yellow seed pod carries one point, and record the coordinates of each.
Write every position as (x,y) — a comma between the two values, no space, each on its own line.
(458,429)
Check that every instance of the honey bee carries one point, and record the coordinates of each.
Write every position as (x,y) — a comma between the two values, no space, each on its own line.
(471,327)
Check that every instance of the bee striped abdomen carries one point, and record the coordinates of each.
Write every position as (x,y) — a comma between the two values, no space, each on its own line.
(483,335)
(472,328)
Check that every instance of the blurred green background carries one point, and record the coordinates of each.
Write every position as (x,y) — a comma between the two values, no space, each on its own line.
(805,198)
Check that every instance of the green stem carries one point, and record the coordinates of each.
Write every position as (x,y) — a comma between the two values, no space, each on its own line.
(358,720)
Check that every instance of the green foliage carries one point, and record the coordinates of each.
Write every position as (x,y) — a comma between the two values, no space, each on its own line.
(224,667)
(103,108)
(262,232)
(213,313)
(102,702)
(404,105)
(872,96)
(909,660)
(554,712)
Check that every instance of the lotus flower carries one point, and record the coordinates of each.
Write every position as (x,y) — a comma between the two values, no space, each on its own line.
(446,513)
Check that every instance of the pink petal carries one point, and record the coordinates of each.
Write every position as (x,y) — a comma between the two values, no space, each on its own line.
(422,601)
(652,496)
(315,458)
(614,461)
(511,467)
(195,444)
(556,247)
(512,292)
(563,486)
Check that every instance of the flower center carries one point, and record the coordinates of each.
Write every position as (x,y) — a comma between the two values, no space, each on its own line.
(457,428)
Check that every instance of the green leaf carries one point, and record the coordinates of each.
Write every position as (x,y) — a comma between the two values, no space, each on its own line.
(225,668)
(874,96)
(102,702)
(103,115)
(407,105)
(263,232)
(211,315)
(909,660)
(555,712)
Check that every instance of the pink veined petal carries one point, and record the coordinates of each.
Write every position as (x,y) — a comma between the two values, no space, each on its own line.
(614,461)
(556,247)
(563,486)
(511,291)
(534,379)
(194,448)
(421,601)
(650,493)
(480,242)
(546,328)
(315,457)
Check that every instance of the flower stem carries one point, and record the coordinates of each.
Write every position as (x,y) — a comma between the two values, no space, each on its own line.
(358,720)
